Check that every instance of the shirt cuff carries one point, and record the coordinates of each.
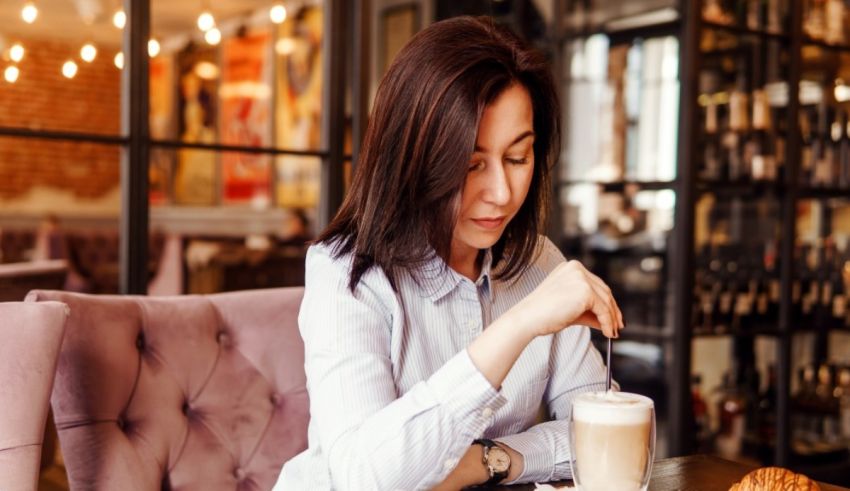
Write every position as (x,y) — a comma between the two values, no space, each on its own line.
(537,456)
(466,394)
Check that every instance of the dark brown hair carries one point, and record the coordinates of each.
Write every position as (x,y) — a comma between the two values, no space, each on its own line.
(403,202)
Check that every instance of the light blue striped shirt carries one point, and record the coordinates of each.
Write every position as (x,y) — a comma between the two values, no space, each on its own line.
(394,404)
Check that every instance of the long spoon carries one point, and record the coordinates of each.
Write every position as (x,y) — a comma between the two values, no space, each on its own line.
(608,364)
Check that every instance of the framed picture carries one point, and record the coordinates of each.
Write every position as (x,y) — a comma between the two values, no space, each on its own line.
(398,23)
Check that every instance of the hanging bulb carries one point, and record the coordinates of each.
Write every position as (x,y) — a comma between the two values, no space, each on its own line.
(206,21)
(16,52)
(213,36)
(69,69)
(119,61)
(153,48)
(277,14)
(88,52)
(119,19)
(29,12)
(11,74)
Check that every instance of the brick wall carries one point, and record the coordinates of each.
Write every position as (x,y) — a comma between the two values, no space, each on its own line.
(42,98)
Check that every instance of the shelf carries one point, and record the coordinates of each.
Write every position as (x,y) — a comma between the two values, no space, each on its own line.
(667,28)
(736,188)
(637,332)
(840,48)
(744,31)
(823,192)
(758,331)
(620,186)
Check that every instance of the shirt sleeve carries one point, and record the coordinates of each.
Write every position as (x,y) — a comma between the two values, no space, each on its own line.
(575,367)
(373,438)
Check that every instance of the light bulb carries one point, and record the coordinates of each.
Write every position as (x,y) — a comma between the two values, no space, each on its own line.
(153,48)
(69,69)
(11,74)
(119,60)
(88,52)
(119,19)
(16,52)
(29,12)
(277,14)
(206,21)
(213,36)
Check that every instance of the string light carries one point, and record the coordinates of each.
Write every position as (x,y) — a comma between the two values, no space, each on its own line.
(206,21)
(29,13)
(213,36)
(119,61)
(69,69)
(88,52)
(119,19)
(277,14)
(16,52)
(11,74)
(153,48)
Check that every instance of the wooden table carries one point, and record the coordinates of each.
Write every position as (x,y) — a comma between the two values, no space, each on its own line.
(692,473)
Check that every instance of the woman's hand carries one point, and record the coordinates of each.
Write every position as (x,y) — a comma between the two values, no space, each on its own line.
(569,295)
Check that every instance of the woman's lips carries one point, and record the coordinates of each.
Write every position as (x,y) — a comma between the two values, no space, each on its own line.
(489,223)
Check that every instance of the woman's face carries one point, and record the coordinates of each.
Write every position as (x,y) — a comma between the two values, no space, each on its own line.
(500,172)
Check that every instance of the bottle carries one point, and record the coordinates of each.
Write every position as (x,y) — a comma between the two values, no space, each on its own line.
(767,415)
(842,393)
(826,405)
(834,28)
(731,408)
(763,163)
(814,19)
(700,413)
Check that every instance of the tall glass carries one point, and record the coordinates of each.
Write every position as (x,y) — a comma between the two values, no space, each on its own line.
(612,437)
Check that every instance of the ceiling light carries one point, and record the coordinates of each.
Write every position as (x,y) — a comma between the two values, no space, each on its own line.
(213,36)
(119,60)
(69,69)
(119,19)
(16,52)
(206,70)
(278,14)
(206,21)
(29,12)
(153,48)
(88,52)
(11,74)
(285,46)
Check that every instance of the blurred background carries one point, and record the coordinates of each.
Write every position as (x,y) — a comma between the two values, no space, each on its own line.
(704,174)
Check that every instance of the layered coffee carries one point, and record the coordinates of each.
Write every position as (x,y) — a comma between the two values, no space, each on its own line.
(613,441)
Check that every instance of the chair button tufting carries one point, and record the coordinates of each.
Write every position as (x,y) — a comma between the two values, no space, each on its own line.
(185,407)
(239,474)
(276,398)
(224,338)
(140,341)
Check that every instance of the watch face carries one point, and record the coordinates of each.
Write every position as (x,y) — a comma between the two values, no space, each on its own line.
(499,460)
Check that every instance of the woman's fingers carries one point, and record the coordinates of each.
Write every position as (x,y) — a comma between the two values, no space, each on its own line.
(603,293)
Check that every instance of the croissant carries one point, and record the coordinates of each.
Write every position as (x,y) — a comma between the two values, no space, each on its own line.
(774,479)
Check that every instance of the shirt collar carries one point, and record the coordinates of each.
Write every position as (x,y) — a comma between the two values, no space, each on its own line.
(438,279)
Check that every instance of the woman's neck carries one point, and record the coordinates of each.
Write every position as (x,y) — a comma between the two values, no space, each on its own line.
(466,261)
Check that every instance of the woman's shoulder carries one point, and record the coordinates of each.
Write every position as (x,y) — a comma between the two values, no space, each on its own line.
(547,256)
(328,266)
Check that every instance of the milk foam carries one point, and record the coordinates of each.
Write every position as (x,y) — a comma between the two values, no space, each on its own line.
(612,408)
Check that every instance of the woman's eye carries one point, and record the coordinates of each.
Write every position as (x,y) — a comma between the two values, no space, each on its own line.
(520,161)
(473,166)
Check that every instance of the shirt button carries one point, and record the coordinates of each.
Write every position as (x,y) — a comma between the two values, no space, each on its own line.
(470,323)
(487,412)
(450,464)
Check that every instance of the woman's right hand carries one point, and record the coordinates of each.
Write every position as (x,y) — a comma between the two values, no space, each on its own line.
(569,295)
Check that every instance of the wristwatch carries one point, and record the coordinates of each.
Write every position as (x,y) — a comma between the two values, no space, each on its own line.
(496,460)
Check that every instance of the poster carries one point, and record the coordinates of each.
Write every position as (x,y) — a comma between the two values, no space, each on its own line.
(298,109)
(245,118)
(195,179)
(161,122)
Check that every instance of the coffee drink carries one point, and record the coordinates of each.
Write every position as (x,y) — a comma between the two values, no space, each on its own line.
(613,441)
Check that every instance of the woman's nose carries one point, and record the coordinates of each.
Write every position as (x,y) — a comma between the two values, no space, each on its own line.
(497,191)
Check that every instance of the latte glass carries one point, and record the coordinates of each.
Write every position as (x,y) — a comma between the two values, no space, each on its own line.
(612,438)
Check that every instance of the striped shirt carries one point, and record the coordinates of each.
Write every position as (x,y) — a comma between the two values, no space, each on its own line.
(395,403)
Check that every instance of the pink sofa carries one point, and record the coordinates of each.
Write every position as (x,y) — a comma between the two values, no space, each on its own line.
(30,336)
(188,392)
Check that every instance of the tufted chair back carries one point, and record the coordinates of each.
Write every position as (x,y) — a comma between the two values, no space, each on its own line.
(30,335)
(180,393)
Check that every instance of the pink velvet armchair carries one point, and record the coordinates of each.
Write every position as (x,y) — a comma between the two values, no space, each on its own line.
(30,335)
(190,392)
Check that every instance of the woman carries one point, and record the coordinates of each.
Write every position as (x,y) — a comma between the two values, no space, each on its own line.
(435,317)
